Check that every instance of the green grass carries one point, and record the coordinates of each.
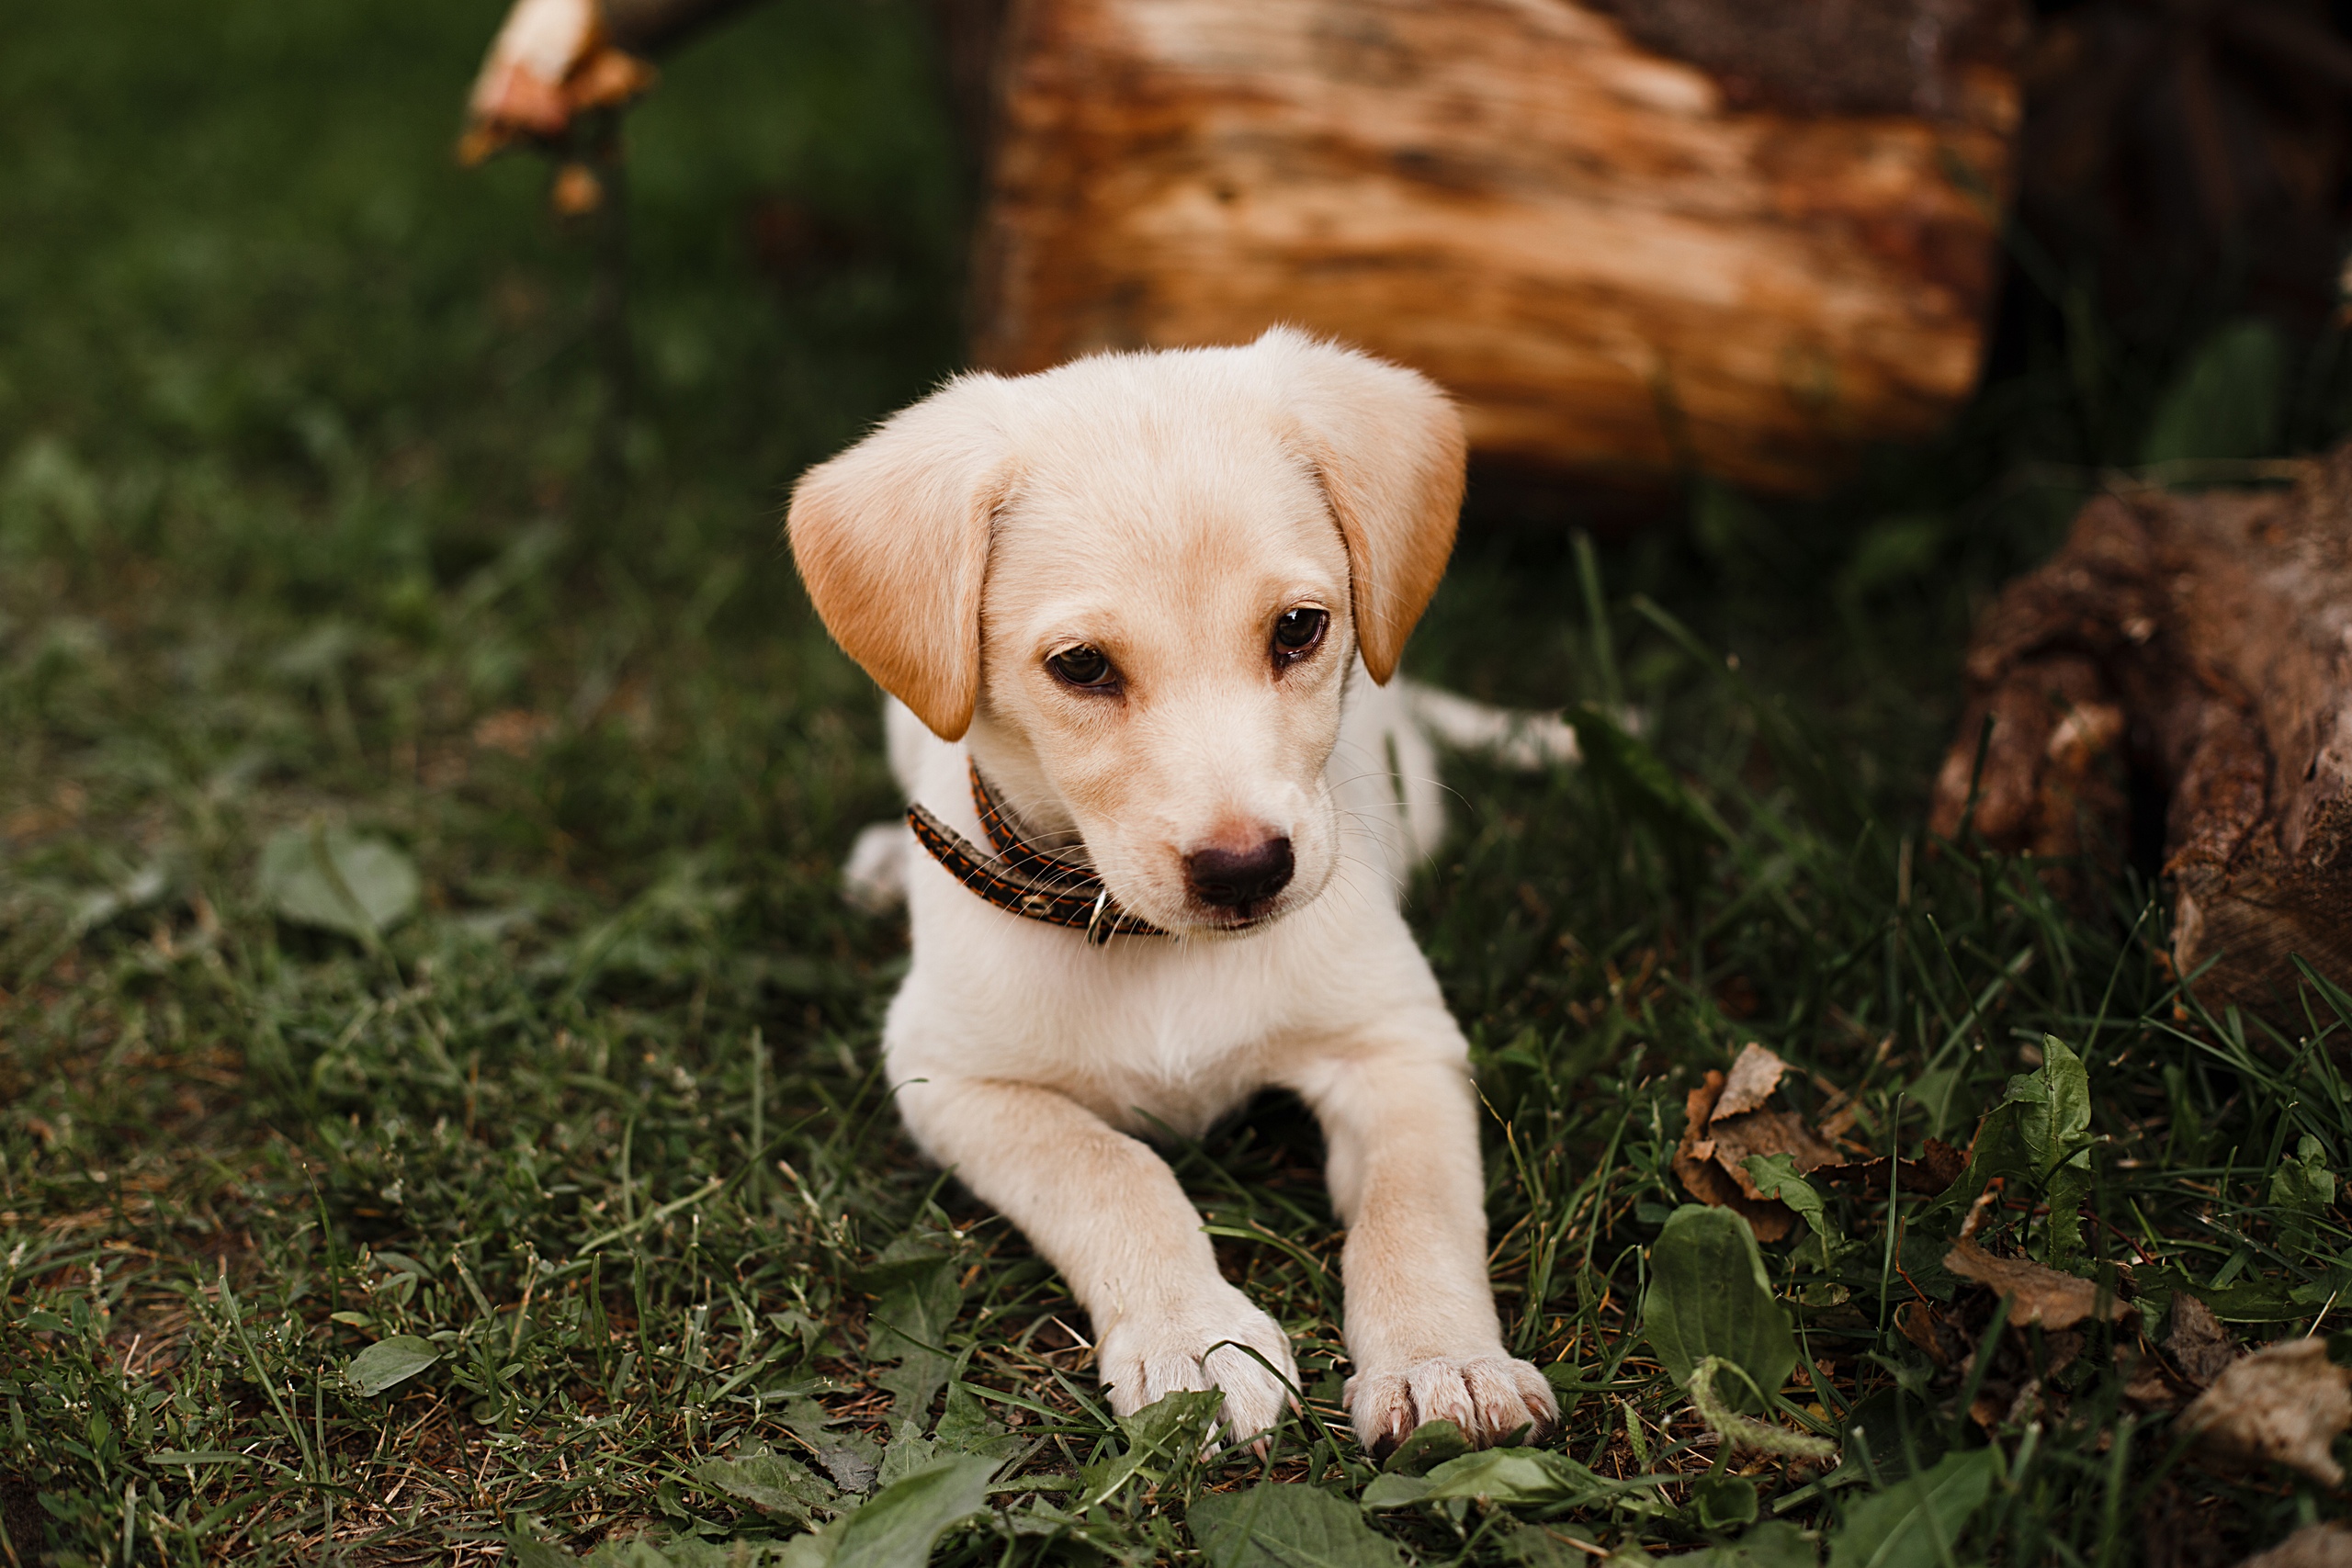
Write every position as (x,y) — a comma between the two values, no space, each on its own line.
(312,511)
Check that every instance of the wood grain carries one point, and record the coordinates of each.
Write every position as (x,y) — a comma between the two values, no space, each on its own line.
(1621,274)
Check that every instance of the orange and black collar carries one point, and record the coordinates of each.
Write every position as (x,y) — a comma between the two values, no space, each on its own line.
(1023,879)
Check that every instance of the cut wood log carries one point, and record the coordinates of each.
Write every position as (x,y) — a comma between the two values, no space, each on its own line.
(2199,647)
(1752,261)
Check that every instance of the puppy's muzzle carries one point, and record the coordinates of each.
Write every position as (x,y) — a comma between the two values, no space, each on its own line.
(1239,880)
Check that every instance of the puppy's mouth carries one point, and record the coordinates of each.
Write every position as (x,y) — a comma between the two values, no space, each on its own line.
(1234,920)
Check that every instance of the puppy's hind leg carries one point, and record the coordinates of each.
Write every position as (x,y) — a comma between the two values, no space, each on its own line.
(1403,1135)
(873,878)
(1107,1212)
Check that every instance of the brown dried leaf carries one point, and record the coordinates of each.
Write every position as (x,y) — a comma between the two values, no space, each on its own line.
(1704,1179)
(2147,1381)
(1937,1167)
(2285,1403)
(2042,1296)
(2199,1347)
(1922,1324)
(2314,1546)
(1940,1165)
(1736,1139)
(1753,1078)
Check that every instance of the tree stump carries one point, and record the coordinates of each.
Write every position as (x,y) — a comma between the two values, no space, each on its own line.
(2195,648)
(1633,237)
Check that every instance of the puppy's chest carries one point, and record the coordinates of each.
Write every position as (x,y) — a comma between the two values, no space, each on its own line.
(1178,1042)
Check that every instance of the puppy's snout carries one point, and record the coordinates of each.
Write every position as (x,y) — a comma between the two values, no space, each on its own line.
(1225,878)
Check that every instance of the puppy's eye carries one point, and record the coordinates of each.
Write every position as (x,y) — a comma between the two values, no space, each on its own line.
(1085,667)
(1296,632)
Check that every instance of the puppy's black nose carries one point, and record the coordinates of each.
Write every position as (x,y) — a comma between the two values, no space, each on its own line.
(1229,878)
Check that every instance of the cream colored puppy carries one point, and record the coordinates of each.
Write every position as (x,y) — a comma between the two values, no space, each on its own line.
(1149,604)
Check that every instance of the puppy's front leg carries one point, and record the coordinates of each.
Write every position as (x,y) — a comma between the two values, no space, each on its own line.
(1403,1135)
(1107,1211)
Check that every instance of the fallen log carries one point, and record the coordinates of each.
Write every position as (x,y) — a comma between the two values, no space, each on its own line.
(2197,647)
(1633,237)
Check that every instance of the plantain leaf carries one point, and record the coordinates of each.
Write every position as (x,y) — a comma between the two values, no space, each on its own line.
(1496,1476)
(905,1519)
(336,879)
(1709,1296)
(390,1362)
(1917,1522)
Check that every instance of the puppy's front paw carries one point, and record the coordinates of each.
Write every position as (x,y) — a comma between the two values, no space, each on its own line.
(1489,1397)
(1147,1355)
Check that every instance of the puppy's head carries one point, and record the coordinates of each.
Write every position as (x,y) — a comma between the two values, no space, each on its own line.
(1139,581)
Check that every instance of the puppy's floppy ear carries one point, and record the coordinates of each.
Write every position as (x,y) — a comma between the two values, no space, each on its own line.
(1389,449)
(892,539)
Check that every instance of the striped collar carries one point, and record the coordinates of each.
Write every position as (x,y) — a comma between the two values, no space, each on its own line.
(1022,879)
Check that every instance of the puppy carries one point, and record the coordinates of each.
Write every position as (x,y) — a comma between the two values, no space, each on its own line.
(1139,615)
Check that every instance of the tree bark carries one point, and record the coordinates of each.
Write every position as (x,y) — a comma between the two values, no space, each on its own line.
(1626,265)
(2197,647)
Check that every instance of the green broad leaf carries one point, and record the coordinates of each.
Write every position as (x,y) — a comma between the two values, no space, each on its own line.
(918,1298)
(2054,1123)
(388,1363)
(967,1427)
(1889,1435)
(1777,1176)
(1722,1502)
(2225,401)
(772,1483)
(1278,1525)
(1775,1544)
(901,1523)
(1495,1476)
(849,1456)
(1430,1443)
(1917,1522)
(2242,1301)
(688,1550)
(2302,1188)
(1169,1430)
(1709,1296)
(816,1548)
(334,879)
(198,1456)
(2040,1133)
(527,1551)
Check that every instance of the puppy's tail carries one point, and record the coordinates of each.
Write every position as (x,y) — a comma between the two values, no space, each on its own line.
(1513,735)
